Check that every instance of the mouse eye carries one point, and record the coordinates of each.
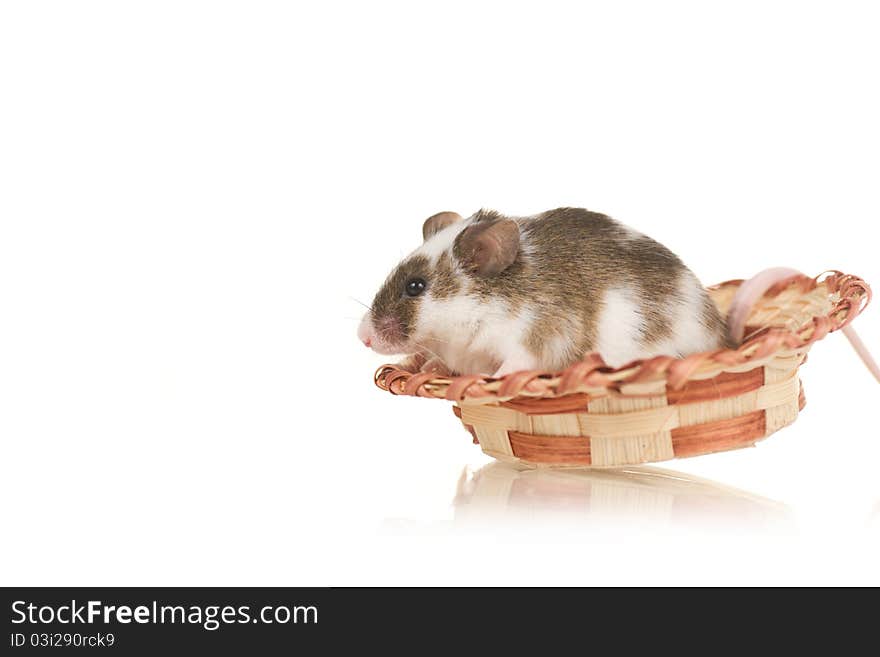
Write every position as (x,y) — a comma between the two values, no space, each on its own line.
(415,286)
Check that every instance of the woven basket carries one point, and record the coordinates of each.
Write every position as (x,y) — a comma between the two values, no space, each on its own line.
(656,409)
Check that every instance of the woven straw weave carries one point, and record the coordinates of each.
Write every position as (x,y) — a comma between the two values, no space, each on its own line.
(655,409)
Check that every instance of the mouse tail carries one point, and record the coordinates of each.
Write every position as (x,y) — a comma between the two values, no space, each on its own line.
(748,294)
(751,291)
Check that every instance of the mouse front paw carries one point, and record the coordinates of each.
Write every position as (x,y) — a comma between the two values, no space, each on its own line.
(512,365)
(412,363)
(435,366)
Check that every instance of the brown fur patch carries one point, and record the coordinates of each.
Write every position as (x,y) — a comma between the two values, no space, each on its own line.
(570,257)
(392,301)
(660,275)
(582,249)
(444,282)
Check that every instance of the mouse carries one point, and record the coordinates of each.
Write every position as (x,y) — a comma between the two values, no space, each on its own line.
(493,294)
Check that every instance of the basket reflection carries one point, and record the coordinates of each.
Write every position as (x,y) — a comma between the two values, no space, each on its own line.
(499,493)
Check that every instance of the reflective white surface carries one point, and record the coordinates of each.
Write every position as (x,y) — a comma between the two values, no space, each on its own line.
(500,495)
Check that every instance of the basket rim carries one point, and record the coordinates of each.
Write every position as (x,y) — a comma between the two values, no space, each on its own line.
(591,375)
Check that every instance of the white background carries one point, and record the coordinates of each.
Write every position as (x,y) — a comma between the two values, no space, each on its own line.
(192,193)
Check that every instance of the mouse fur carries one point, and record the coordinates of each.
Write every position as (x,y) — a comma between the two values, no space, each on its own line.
(502,294)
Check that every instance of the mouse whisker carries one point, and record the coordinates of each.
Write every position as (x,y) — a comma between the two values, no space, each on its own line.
(433,339)
(424,348)
(361,303)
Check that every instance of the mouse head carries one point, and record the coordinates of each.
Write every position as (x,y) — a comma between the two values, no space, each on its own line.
(425,299)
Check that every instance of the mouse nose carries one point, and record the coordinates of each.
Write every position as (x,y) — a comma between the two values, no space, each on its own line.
(365,331)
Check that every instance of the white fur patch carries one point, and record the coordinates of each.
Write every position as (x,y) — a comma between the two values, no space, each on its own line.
(559,351)
(471,334)
(621,327)
(441,241)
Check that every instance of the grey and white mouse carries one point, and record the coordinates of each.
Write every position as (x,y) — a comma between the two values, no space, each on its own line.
(493,294)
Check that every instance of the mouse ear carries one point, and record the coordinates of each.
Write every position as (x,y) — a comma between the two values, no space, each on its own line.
(438,222)
(488,248)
